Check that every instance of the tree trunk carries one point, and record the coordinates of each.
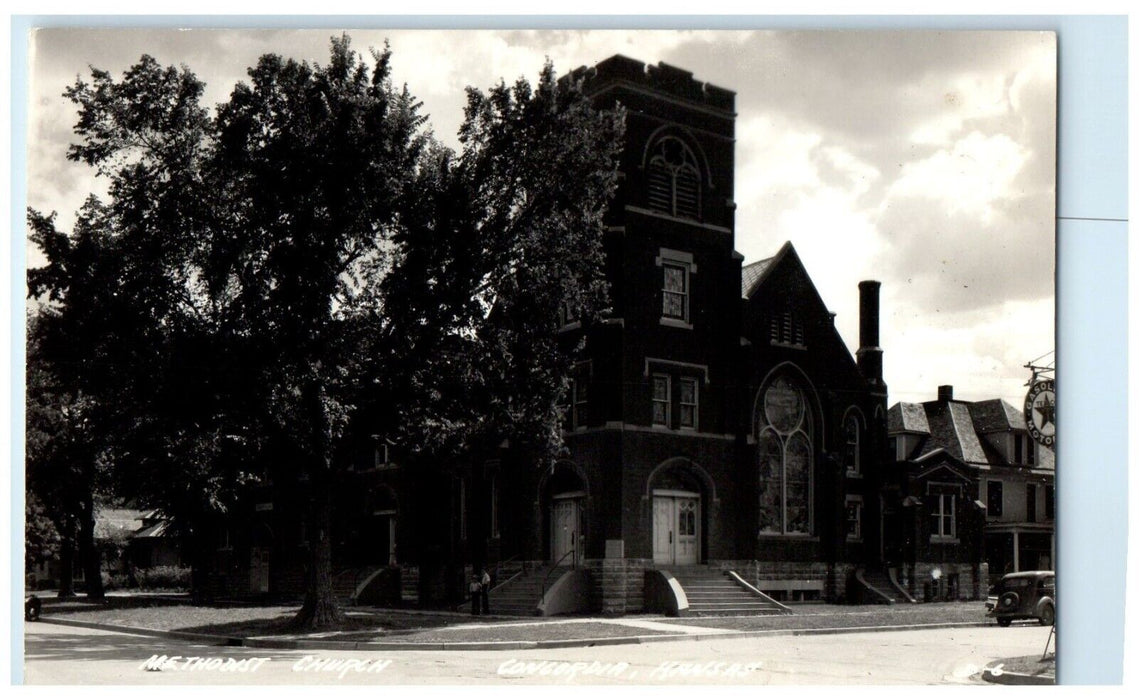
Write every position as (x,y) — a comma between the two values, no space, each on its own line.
(89,553)
(66,560)
(201,547)
(319,610)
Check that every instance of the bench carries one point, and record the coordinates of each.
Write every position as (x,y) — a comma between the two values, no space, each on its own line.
(795,590)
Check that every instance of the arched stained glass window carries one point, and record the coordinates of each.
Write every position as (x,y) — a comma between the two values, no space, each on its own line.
(786,458)
(674,179)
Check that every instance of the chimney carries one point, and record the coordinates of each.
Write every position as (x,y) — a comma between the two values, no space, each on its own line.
(945,393)
(869,353)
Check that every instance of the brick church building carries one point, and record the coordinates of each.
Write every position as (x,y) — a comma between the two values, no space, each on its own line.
(716,420)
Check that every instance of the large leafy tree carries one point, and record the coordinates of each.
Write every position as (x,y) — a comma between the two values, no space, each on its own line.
(131,330)
(316,160)
(504,239)
(234,297)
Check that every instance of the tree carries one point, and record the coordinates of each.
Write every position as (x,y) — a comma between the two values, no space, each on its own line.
(315,161)
(129,323)
(507,240)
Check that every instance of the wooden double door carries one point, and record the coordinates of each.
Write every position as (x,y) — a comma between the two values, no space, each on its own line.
(676,527)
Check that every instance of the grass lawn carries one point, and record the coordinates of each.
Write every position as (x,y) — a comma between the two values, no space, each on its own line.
(243,621)
(513,633)
(365,624)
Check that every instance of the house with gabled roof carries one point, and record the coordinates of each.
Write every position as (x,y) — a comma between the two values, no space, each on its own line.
(971,494)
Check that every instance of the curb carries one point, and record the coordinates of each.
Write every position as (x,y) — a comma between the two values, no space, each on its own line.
(265,643)
(1010,678)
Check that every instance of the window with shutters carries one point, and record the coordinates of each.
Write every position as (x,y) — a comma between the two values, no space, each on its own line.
(674,179)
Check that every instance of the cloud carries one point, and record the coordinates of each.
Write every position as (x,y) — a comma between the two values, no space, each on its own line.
(925,160)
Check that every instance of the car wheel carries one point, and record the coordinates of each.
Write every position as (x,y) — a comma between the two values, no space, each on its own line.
(1004,621)
(1008,600)
(1048,616)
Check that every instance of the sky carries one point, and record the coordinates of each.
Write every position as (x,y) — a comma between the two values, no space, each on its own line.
(922,159)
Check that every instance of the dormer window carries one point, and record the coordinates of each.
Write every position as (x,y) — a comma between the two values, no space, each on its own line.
(674,179)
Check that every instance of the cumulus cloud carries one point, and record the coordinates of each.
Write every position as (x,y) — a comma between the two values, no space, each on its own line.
(925,160)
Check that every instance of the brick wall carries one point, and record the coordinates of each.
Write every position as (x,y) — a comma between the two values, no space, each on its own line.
(918,580)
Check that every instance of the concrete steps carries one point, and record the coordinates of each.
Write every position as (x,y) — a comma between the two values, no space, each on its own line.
(879,579)
(521,596)
(713,592)
(409,586)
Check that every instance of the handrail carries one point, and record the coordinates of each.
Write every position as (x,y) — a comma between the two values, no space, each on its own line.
(499,565)
(355,571)
(521,573)
(552,570)
(758,593)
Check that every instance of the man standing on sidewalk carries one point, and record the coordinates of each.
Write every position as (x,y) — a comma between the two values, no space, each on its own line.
(484,591)
(475,588)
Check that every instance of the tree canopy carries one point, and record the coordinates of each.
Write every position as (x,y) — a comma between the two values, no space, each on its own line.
(256,277)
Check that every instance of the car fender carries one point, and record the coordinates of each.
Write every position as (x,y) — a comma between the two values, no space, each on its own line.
(1044,600)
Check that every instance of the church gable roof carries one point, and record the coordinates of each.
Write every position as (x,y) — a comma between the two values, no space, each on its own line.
(753,273)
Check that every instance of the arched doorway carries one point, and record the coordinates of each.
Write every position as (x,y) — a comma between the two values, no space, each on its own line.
(678,516)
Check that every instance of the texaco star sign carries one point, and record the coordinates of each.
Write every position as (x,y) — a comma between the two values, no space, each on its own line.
(1040,412)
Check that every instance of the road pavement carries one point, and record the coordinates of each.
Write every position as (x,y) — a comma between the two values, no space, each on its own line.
(68,655)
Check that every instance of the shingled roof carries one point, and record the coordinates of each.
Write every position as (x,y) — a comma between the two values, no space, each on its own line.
(752,273)
(907,418)
(996,416)
(964,429)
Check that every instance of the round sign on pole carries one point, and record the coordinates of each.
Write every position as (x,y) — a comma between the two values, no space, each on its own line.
(1040,412)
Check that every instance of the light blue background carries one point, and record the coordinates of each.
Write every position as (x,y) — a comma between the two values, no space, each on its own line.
(1091,287)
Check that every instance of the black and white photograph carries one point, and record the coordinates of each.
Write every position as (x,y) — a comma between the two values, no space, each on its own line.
(499,357)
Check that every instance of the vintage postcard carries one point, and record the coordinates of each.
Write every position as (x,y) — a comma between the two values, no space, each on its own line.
(618,357)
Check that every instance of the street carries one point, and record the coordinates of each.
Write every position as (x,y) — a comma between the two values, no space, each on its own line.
(68,655)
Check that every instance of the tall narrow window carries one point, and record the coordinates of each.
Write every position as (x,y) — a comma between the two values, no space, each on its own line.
(689,407)
(580,389)
(494,506)
(854,518)
(1049,502)
(943,508)
(675,293)
(674,179)
(662,397)
(995,499)
(852,451)
(786,459)
(1030,501)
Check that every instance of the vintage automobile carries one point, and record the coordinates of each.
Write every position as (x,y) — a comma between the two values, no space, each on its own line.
(1024,595)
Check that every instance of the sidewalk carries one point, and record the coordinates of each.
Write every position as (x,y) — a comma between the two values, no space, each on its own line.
(374,628)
